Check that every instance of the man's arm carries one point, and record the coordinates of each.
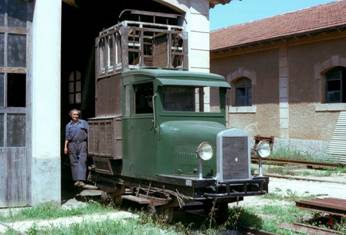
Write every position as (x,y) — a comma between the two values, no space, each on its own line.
(67,136)
(65,147)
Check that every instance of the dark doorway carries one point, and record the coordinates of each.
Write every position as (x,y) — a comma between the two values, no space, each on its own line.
(81,23)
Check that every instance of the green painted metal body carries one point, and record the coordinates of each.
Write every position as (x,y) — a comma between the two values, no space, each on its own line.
(165,143)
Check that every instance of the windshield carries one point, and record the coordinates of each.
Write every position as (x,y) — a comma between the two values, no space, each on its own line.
(190,99)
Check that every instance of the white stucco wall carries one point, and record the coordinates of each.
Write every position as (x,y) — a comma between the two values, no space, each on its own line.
(197,27)
(45,90)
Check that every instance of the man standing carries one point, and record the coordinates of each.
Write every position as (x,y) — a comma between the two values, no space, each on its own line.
(76,134)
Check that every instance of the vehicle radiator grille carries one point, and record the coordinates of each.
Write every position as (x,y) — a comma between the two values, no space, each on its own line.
(235,165)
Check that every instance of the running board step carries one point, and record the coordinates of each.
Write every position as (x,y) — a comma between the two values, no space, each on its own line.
(146,200)
(139,200)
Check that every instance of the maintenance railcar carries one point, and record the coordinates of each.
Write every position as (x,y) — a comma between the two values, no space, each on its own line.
(154,140)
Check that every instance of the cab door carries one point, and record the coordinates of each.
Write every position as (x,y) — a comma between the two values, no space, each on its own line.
(140,146)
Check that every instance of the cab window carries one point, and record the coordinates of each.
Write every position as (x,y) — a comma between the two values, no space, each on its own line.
(143,98)
(189,99)
(179,98)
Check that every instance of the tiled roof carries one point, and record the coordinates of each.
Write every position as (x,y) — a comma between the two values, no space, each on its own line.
(303,21)
(212,3)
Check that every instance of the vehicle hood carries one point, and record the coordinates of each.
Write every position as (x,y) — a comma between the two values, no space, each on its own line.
(178,142)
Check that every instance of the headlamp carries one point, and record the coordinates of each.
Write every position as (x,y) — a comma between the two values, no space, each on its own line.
(263,149)
(205,151)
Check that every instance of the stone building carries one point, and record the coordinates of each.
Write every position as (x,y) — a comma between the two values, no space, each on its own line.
(46,56)
(288,74)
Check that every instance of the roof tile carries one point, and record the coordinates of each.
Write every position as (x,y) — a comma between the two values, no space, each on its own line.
(289,24)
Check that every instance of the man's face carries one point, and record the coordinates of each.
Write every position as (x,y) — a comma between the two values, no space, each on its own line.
(75,116)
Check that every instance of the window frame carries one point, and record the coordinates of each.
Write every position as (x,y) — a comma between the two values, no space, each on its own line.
(248,92)
(76,79)
(328,77)
(134,101)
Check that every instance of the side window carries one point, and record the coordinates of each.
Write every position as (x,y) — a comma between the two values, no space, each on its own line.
(143,98)
(335,85)
(102,56)
(243,92)
(109,53)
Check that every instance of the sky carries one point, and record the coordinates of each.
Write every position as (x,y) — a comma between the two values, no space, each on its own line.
(243,11)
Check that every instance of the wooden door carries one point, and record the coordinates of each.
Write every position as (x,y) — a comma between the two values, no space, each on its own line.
(15,23)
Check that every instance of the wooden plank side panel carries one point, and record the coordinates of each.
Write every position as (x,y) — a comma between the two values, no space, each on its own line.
(14,177)
(108,101)
(105,137)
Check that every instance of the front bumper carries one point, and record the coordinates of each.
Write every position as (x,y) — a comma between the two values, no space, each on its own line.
(211,189)
(255,186)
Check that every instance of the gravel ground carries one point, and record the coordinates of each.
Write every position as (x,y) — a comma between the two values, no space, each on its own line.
(23,226)
(298,188)
(276,185)
(303,187)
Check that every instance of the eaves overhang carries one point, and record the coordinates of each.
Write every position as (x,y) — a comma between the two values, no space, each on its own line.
(212,3)
(280,38)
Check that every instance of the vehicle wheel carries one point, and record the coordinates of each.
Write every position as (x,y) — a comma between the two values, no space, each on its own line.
(218,212)
(222,213)
(151,210)
(166,213)
(104,197)
(116,195)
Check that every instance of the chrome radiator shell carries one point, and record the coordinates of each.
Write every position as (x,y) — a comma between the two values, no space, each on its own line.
(233,156)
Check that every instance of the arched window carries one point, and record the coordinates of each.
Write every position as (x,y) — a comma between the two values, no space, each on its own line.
(242,92)
(336,85)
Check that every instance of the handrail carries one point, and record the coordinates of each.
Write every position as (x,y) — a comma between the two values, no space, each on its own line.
(154,109)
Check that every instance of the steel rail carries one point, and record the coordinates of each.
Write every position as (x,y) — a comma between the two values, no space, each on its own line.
(301,162)
(309,229)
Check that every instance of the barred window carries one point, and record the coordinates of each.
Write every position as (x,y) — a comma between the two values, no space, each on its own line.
(336,85)
(243,92)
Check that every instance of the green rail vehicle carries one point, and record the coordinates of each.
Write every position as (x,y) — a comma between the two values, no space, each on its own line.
(154,140)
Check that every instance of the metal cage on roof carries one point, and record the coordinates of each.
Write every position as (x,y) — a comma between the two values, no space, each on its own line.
(144,39)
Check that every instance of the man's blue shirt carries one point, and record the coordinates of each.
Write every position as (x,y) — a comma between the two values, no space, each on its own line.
(76,131)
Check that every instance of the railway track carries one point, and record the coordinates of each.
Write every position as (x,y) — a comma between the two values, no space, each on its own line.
(319,165)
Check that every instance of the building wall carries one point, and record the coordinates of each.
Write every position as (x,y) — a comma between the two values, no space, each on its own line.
(289,89)
(262,67)
(45,102)
(306,92)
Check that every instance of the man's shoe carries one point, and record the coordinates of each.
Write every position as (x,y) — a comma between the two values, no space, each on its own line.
(79,183)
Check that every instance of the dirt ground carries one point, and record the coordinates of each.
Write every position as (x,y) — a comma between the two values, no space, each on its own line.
(304,187)
(299,188)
